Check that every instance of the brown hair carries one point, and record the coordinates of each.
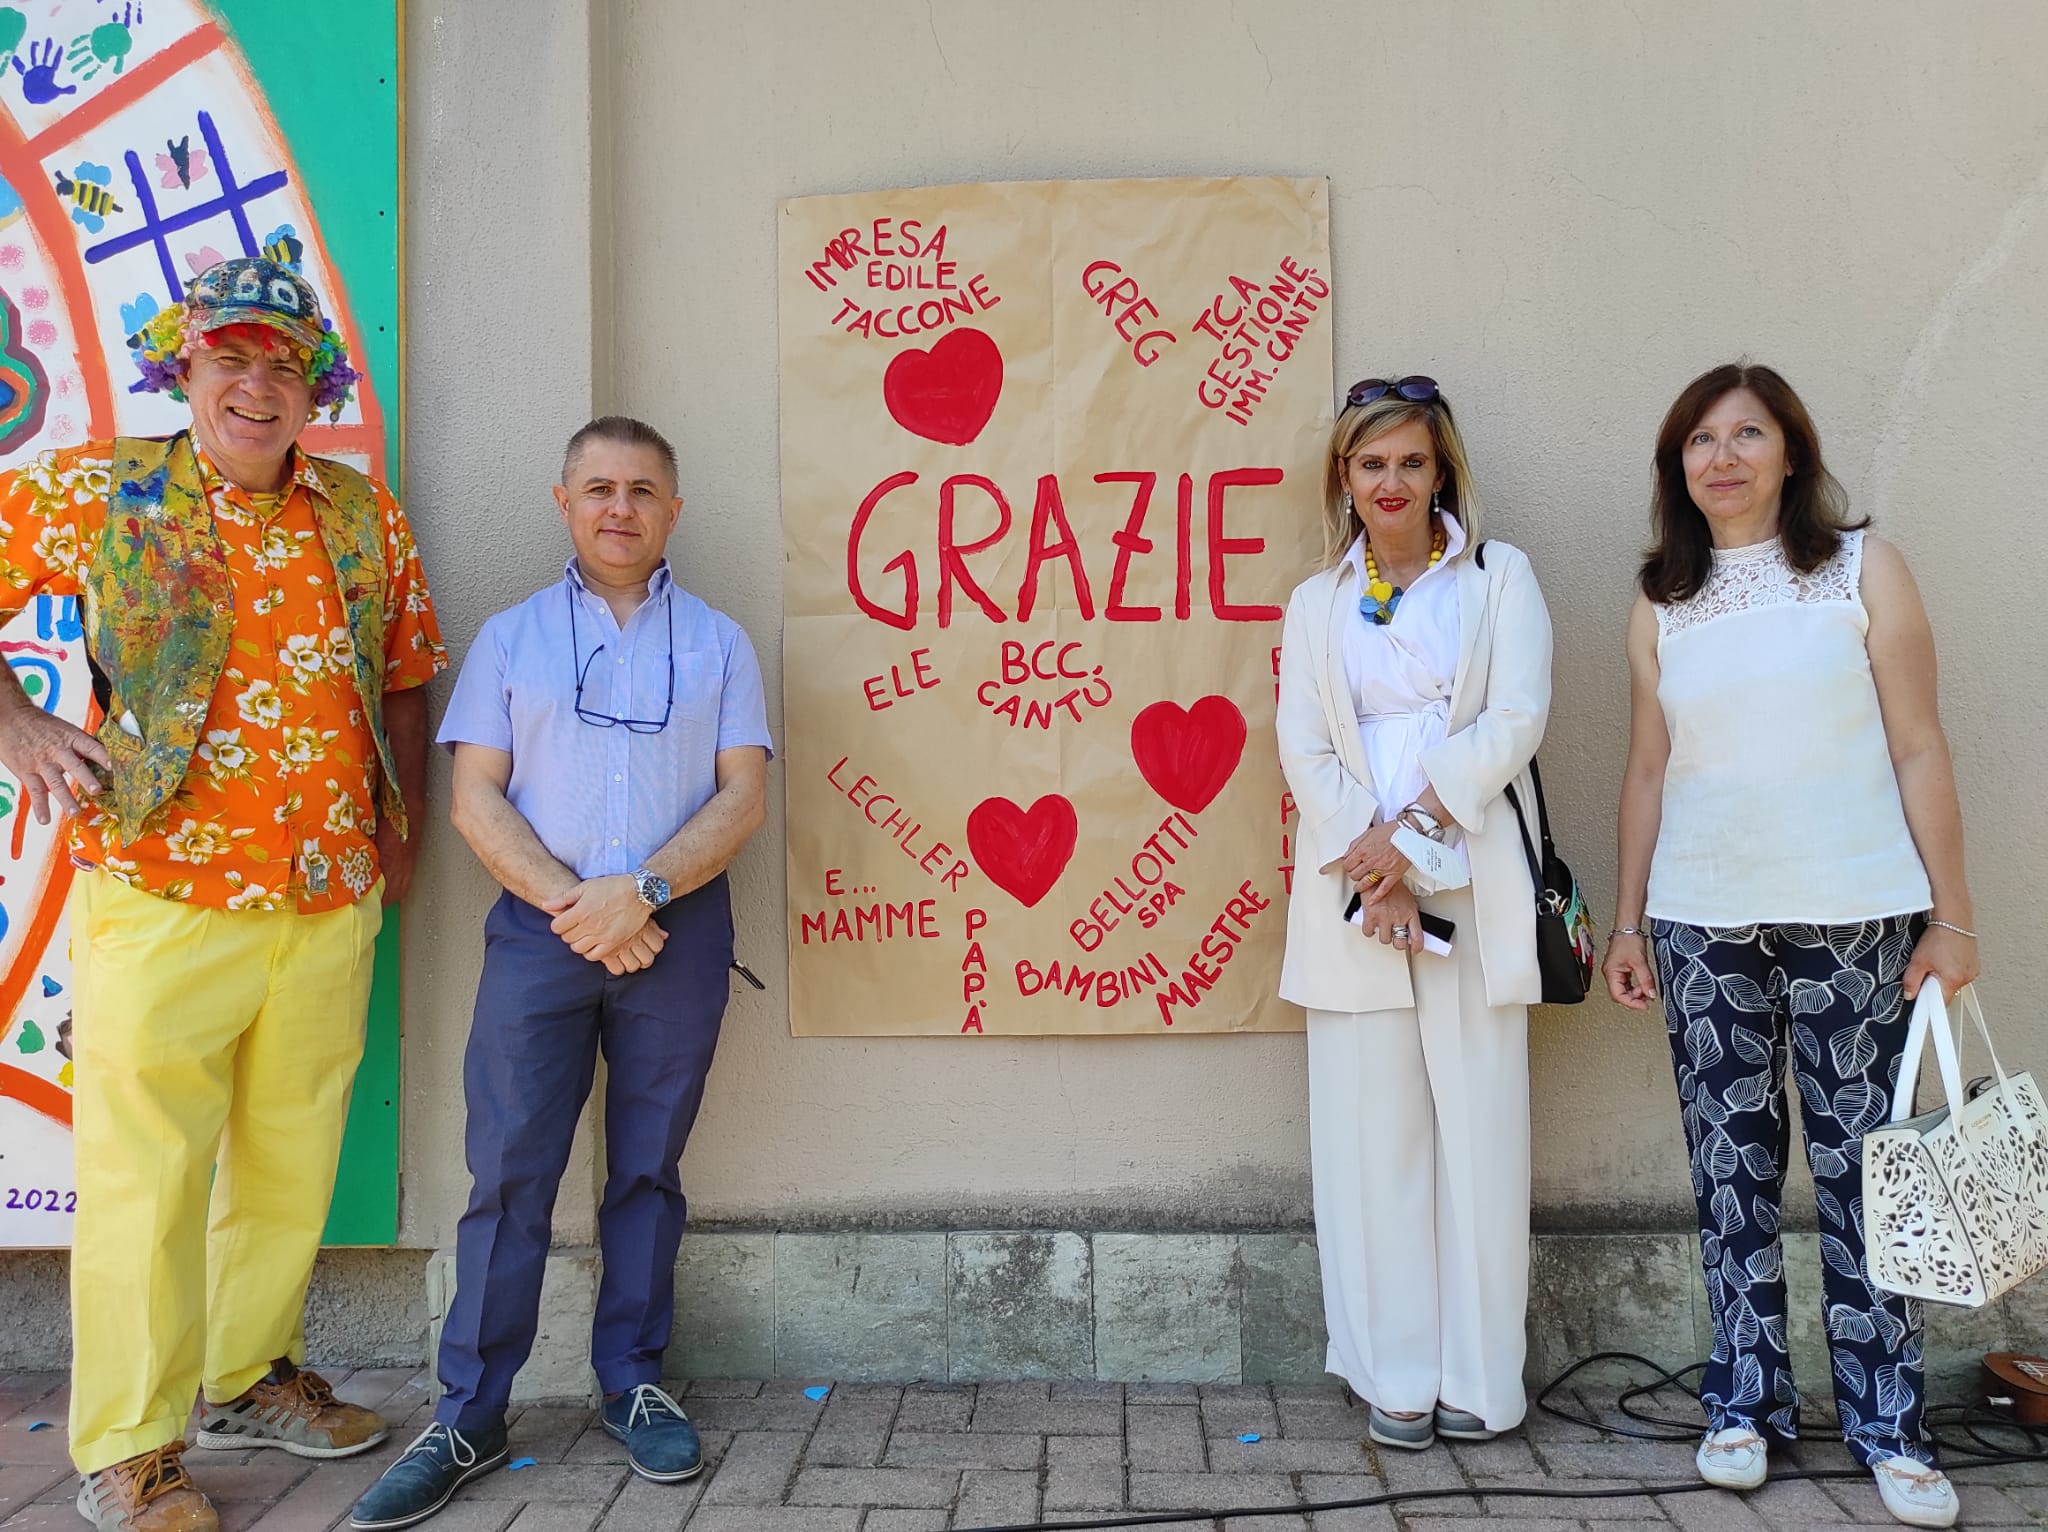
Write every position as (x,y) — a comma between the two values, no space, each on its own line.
(1813,508)
(1358,424)
(626,431)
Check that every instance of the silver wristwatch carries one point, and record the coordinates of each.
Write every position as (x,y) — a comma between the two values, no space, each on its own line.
(653,888)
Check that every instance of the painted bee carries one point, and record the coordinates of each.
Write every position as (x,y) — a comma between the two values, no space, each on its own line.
(282,245)
(91,197)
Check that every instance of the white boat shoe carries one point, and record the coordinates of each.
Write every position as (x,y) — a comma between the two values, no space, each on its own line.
(1916,1493)
(1734,1458)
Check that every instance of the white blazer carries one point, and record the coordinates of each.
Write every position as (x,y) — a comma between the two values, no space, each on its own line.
(1500,701)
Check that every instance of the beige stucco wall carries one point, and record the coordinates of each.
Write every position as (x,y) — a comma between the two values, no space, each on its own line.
(1562,210)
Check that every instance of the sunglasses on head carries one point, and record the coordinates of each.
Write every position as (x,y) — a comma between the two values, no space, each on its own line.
(1415,389)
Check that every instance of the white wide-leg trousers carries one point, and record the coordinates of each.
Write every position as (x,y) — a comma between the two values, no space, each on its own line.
(1419,1143)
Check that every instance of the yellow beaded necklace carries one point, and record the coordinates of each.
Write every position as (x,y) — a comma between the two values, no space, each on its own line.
(1381,598)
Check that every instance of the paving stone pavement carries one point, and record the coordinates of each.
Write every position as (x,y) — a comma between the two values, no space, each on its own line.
(930,1457)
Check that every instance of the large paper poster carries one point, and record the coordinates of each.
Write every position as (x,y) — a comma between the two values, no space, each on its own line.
(1051,457)
(140,142)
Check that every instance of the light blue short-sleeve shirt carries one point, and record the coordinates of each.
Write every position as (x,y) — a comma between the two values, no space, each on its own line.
(604,797)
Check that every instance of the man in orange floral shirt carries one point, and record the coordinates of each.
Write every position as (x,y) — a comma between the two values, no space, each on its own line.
(260,633)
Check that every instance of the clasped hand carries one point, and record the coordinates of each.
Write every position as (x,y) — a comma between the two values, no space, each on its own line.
(1393,917)
(1375,852)
(604,920)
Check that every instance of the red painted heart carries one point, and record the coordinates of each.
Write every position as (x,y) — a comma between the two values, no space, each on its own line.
(1187,755)
(945,394)
(1023,851)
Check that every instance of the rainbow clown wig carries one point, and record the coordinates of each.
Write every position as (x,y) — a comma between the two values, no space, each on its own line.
(249,290)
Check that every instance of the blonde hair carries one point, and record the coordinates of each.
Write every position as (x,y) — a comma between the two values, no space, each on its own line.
(1358,424)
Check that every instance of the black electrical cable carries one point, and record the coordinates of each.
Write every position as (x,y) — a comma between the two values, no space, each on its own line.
(1975,1449)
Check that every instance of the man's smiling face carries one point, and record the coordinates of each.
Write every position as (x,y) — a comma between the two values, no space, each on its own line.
(250,399)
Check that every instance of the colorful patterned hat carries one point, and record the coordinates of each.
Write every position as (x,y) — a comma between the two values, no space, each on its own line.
(254,290)
(246,290)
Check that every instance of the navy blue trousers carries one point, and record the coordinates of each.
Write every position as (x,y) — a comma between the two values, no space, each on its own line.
(1734,999)
(542,1015)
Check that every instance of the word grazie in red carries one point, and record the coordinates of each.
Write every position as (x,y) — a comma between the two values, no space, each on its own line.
(1052,541)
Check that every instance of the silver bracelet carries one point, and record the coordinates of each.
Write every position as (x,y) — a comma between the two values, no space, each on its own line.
(1421,821)
(1625,931)
(1957,929)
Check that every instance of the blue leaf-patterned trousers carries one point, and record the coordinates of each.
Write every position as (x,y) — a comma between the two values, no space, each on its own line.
(1735,1001)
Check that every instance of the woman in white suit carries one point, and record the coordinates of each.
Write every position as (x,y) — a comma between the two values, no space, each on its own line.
(1414,686)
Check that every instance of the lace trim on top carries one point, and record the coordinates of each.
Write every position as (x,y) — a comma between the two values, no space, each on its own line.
(1745,579)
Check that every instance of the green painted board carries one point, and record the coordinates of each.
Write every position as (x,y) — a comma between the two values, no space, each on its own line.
(140,143)
(329,71)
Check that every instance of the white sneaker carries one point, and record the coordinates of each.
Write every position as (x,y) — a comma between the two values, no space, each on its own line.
(1916,1493)
(1734,1458)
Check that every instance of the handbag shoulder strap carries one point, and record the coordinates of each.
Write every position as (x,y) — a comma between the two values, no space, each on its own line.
(1542,809)
(1536,863)
(1528,845)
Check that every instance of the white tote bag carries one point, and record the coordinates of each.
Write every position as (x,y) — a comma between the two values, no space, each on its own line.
(1955,1201)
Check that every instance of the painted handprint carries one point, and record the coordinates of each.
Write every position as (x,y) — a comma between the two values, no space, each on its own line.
(13,28)
(39,76)
(108,43)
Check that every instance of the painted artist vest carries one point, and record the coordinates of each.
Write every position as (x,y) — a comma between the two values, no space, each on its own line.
(159,616)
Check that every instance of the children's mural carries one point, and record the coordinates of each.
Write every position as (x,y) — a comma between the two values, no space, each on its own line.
(140,142)
(1051,462)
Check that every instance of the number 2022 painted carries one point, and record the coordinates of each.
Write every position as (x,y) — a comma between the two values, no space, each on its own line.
(39,1199)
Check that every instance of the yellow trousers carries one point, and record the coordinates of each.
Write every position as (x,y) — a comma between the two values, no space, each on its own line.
(210,1044)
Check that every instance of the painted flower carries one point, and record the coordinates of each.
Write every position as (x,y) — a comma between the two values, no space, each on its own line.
(268,602)
(78,483)
(302,656)
(92,479)
(341,650)
(279,547)
(57,546)
(227,758)
(358,870)
(177,890)
(343,816)
(259,703)
(44,474)
(288,808)
(252,896)
(198,843)
(302,746)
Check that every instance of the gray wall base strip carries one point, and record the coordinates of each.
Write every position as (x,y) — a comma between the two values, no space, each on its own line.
(1031,1304)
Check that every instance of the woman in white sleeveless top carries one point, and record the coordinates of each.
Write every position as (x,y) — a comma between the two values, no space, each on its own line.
(1791,840)
(1414,685)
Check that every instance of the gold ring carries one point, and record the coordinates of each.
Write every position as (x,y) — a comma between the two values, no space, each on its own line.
(1374,877)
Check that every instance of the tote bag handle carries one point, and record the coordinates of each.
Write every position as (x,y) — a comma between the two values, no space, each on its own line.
(1930,1019)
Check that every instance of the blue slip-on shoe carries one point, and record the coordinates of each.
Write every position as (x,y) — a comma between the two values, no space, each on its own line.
(661,1444)
(426,1476)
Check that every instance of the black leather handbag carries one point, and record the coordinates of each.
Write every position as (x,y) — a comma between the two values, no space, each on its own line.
(1564,932)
